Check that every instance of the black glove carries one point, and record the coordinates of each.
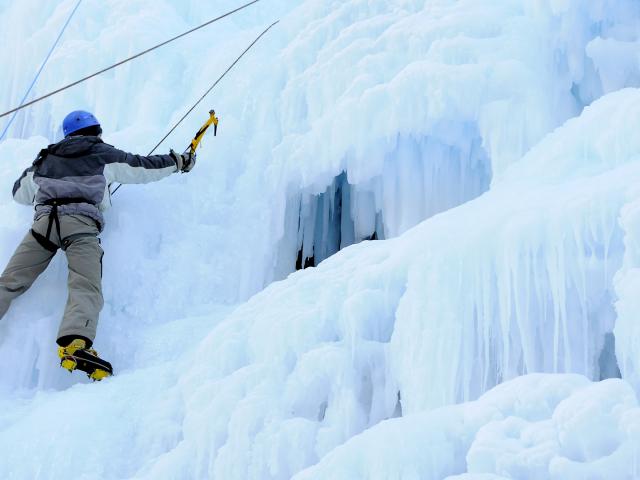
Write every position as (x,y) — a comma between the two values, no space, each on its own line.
(184,162)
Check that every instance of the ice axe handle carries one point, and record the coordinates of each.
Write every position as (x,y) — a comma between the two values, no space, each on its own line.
(198,137)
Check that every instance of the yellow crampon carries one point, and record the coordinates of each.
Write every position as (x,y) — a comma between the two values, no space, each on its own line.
(66,356)
(72,348)
(213,120)
(69,361)
(68,364)
(98,374)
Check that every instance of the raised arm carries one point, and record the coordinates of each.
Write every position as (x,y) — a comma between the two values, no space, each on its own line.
(123,167)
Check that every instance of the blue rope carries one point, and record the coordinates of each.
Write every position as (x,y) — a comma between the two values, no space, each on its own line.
(53,47)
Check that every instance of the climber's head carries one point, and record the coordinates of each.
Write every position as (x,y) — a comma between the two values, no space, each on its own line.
(81,123)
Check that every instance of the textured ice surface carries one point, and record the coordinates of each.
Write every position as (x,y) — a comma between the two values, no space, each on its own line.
(536,427)
(528,285)
(512,245)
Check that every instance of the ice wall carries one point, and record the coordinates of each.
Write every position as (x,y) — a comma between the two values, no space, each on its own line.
(468,89)
(535,427)
(148,226)
(395,328)
(435,96)
(527,287)
(518,280)
(627,283)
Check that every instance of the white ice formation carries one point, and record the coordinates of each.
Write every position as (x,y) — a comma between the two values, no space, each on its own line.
(492,148)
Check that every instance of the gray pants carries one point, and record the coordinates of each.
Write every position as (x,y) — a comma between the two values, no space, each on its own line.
(79,238)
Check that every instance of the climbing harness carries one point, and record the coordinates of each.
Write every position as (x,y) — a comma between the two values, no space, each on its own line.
(140,54)
(44,63)
(212,118)
(54,219)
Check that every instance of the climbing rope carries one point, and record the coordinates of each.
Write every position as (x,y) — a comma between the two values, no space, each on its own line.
(207,93)
(35,79)
(126,60)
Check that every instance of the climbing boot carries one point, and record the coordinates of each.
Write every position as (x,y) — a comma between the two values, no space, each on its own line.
(76,356)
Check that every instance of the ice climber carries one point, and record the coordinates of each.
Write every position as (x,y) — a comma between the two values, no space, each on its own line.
(69,185)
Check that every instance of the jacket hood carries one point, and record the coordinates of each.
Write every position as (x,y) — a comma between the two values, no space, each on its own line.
(74,146)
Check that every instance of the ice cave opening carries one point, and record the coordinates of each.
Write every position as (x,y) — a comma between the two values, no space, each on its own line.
(418,177)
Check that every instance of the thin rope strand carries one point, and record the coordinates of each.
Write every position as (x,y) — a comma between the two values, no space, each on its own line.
(144,52)
(35,79)
(212,87)
(206,93)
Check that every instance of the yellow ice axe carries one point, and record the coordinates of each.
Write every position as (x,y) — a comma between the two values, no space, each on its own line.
(213,120)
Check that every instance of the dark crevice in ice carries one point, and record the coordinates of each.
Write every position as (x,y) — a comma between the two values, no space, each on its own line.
(328,226)
(418,178)
(608,361)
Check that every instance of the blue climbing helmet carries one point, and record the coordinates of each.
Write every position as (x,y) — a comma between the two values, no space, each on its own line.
(78,120)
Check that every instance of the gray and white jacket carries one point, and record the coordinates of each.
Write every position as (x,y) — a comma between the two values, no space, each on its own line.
(82,168)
